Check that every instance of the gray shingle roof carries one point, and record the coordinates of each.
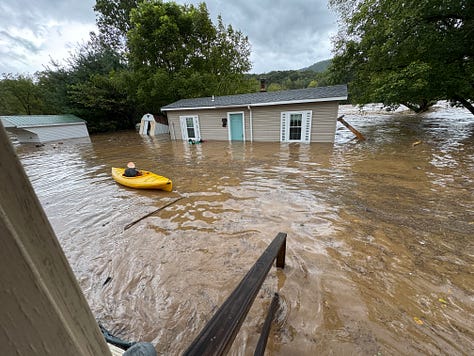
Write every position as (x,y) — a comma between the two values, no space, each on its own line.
(332,93)
(39,120)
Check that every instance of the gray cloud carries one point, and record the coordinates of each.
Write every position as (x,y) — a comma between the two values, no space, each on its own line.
(284,34)
(33,32)
(289,34)
(30,13)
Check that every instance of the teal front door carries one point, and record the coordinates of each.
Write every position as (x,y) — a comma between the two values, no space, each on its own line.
(236,126)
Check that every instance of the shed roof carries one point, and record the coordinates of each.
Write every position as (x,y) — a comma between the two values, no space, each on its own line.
(23,121)
(309,95)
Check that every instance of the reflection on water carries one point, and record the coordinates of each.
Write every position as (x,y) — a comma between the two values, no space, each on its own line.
(379,252)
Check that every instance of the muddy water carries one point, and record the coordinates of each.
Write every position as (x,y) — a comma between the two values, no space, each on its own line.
(380,249)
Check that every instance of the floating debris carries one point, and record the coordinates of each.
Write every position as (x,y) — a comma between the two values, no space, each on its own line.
(107,281)
(418,320)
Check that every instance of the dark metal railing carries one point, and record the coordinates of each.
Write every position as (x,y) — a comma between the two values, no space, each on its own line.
(219,333)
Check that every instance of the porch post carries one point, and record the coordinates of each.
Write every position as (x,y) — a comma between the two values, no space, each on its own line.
(43,310)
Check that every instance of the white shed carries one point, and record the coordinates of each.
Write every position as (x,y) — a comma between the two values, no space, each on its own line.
(150,126)
(45,128)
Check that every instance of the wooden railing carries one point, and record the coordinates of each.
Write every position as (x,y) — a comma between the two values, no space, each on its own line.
(217,336)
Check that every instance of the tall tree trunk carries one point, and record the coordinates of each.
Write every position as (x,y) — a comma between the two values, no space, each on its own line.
(465,103)
(419,107)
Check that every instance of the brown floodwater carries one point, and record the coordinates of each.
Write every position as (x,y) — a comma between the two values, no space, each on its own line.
(380,253)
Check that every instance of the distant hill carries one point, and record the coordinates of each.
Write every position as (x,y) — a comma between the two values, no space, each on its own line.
(318,67)
(308,77)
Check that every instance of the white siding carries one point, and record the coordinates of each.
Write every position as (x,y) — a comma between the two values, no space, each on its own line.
(324,122)
(210,122)
(60,132)
(51,133)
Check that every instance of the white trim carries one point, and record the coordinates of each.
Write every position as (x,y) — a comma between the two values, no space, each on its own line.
(250,122)
(258,104)
(46,125)
(229,124)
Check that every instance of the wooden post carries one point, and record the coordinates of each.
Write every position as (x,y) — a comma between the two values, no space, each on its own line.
(43,310)
(280,260)
(262,341)
(219,333)
(353,130)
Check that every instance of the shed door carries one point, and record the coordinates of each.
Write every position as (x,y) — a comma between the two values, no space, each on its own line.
(190,128)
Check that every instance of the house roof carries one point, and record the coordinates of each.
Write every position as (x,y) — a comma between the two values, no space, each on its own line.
(309,95)
(40,120)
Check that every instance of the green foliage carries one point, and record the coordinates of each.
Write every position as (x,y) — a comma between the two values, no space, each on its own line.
(289,79)
(91,87)
(113,21)
(19,96)
(319,67)
(178,52)
(410,53)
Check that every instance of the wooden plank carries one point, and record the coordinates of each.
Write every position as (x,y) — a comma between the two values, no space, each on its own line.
(350,127)
(280,260)
(43,309)
(219,333)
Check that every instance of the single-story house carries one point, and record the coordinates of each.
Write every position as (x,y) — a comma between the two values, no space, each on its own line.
(151,125)
(301,115)
(45,128)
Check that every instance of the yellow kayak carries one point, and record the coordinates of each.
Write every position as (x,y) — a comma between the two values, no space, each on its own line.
(147,180)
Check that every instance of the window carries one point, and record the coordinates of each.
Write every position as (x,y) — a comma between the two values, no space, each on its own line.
(190,128)
(295,126)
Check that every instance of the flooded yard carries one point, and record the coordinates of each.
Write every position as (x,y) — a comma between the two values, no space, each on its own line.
(380,253)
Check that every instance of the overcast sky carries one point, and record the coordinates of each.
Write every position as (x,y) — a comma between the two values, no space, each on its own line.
(284,35)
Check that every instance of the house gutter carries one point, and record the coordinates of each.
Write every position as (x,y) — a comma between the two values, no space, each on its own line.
(251,122)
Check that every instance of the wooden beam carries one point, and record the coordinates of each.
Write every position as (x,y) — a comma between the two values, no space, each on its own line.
(43,309)
(280,260)
(350,127)
(128,226)
(219,333)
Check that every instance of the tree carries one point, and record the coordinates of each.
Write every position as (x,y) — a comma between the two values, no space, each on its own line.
(19,95)
(291,79)
(176,52)
(113,21)
(410,53)
(93,85)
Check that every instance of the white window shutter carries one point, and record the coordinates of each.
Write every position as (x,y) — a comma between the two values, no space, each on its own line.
(306,134)
(197,130)
(283,127)
(184,129)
